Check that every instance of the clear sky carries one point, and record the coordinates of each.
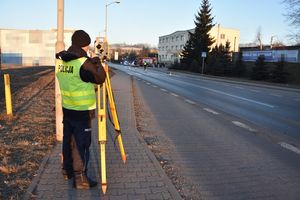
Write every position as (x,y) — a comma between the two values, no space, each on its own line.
(143,21)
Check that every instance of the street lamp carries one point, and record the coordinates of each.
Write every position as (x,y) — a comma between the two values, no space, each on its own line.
(105,46)
(106,15)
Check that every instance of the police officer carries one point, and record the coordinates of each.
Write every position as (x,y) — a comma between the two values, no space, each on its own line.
(77,73)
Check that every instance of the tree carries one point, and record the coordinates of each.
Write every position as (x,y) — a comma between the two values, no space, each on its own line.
(199,41)
(279,75)
(293,16)
(219,62)
(226,59)
(260,71)
(145,51)
(258,38)
(239,68)
(187,53)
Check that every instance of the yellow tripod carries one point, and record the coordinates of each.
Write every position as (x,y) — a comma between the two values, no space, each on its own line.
(101,94)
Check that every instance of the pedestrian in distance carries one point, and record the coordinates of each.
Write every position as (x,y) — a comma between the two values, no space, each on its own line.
(145,65)
(77,73)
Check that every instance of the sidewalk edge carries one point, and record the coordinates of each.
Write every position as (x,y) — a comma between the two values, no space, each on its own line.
(37,178)
(175,194)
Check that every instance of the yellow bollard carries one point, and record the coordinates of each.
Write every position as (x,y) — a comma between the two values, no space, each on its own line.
(8,95)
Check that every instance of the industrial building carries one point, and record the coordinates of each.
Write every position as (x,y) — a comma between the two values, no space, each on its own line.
(30,47)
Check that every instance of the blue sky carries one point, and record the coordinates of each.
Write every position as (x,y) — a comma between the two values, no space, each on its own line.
(143,21)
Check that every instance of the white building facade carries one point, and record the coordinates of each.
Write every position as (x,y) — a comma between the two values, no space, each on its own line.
(30,47)
(170,46)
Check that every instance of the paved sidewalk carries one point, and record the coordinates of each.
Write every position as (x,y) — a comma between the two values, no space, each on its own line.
(140,178)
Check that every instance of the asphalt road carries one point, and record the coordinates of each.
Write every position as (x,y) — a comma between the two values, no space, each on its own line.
(235,141)
(274,109)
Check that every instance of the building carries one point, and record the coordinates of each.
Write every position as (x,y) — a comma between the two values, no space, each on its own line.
(170,46)
(30,47)
(123,49)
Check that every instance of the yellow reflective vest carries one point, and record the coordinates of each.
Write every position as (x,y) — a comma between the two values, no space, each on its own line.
(76,94)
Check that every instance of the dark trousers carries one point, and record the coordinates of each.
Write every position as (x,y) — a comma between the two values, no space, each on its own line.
(76,143)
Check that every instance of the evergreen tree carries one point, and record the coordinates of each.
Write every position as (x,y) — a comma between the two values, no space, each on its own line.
(215,61)
(239,68)
(226,59)
(199,41)
(260,71)
(219,62)
(279,75)
(187,53)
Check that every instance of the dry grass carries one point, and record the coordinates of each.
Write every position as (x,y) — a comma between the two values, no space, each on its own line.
(26,137)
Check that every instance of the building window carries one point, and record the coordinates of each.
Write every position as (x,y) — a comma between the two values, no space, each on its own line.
(222,36)
(166,40)
(172,39)
(177,38)
(182,38)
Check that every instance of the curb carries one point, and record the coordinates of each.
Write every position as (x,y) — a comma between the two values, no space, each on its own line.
(170,185)
(36,179)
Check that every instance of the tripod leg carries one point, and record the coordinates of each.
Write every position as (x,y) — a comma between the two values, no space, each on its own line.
(102,133)
(114,114)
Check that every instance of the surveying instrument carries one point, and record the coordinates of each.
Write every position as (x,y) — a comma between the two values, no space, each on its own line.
(105,93)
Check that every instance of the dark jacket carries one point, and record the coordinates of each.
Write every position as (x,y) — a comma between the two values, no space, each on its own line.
(91,71)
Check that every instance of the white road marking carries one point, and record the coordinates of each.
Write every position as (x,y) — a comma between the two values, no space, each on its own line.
(275,95)
(238,87)
(163,90)
(173,94)
(154,86)
(189,101)
(211,111)
(238,97)
(289,147)
(242,125)
(255,91)
(226,84)
(148,83)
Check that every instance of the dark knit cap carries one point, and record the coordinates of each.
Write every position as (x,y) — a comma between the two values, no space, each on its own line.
(80,38)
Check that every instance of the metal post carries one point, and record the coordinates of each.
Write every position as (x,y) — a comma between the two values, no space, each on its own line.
(202,65)
(59,46)
(106,48)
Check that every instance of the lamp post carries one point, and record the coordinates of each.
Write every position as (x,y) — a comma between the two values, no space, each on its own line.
(105,30)
(106,15)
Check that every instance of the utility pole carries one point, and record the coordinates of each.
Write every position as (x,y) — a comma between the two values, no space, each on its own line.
(59,46)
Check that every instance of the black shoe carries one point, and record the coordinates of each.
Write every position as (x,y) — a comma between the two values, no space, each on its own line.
(81,181)
(67,175)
